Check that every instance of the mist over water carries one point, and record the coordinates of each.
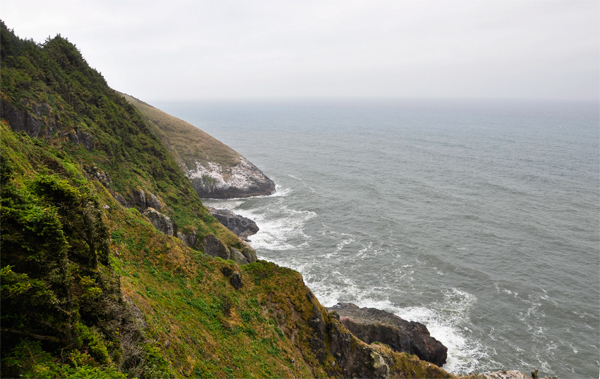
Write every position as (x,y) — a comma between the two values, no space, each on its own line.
(479,219)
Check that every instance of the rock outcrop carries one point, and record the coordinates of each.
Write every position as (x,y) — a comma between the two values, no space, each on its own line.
(374,325)
(243,227)
(212,246)
(160,221)
(214,180)
(139,199)
(37,120)
(189,237)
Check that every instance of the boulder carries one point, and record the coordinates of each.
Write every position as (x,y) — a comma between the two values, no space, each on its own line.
(80,137)
(188,238)
(160,221)
(238,257)
(236,280)
(139,200)
(152,201)
(249,253)
(243,227)
(374,325)
(122,200)
(215,248)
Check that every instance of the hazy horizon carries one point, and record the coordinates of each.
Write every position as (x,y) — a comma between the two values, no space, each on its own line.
(269,50)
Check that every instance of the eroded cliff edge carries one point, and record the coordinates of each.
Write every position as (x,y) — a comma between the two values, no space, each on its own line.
(215,170)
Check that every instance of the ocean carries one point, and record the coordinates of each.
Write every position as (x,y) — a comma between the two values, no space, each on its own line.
(479,219)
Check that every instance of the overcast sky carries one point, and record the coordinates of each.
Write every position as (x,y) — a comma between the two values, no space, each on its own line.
(192,50)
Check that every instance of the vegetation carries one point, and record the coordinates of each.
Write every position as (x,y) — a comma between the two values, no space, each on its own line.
(186,142)
(90,289)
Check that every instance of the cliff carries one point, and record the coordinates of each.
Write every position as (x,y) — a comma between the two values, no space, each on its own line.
(215,170)
(111,266)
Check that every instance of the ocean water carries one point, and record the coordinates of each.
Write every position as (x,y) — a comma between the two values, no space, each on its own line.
(479,219)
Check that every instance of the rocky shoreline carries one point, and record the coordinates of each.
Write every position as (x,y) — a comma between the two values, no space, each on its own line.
(243,227)
(374,325)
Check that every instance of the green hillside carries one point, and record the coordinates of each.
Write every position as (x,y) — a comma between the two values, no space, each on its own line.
(91,289)
(184,140)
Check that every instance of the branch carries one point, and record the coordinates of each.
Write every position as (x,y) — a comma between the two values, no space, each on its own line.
(36,336)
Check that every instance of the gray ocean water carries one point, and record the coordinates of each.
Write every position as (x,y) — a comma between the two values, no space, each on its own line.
(479,219)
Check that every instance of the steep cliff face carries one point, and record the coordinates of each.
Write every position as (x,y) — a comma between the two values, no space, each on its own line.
(215,170)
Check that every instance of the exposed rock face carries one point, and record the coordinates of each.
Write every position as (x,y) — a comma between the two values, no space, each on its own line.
(215,248)
(371,325)
(137,314)
(243,227)
(32,123)
(238,257)
(242,180)
(139,200)
(21,121)
(122,200)
(80,137)
(188,238)
(160,221)
(152,201)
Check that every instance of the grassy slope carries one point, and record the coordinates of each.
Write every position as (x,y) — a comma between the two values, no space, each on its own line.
(185,140)
(71,254)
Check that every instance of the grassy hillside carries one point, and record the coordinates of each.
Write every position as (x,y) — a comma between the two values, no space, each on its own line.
(190,144)
(90,289)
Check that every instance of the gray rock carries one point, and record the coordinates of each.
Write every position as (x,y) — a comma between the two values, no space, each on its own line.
(83,138)
(139,200)
(86,139)
(213,246)
(188,238)
(374,325)
(241,180)
(122,200)
(238,257)
(236,280)
(160,221)
(249,253)
(243,227)
(152,201)
(20,120)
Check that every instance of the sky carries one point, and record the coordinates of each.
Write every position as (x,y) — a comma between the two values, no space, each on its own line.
(304,49)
